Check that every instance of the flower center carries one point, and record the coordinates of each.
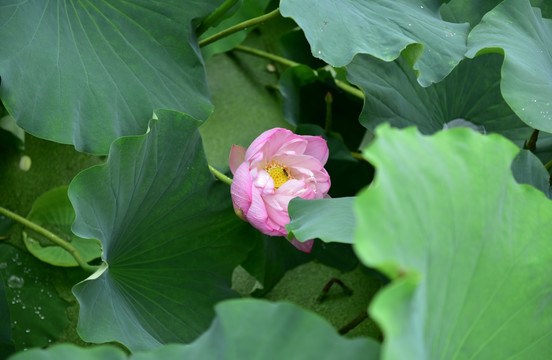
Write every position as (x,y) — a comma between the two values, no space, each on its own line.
(279,175)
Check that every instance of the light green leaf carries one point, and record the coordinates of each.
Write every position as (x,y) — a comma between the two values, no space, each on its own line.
(518,31)
(330,220)
(72,352)
(87,73)
(468,248)
(170,238)
(53,211)
(339,29)
(471,92)
(292,333)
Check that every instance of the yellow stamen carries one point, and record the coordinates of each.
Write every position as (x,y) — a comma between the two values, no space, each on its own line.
(279,175)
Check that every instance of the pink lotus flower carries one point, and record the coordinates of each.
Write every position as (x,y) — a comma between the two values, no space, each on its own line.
(277,167)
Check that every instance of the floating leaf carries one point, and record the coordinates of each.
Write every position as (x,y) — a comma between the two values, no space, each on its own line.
(6,344)
(170,238)
(37,313)
(471,92)
(53,211)
(518,31)
(339,29)
(88,73)
(468,248)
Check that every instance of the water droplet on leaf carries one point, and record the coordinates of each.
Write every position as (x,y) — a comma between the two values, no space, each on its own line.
(15,282)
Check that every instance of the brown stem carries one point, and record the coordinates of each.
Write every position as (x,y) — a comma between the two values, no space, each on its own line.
(327,287)
(354,323)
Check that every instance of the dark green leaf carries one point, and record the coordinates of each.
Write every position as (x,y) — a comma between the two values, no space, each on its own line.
(339,29)
(471,92)
(271,258)
(518,31)
(10,134)
(53,211)
(6,343)
(468,248)
(87,73)
(528,169)
(170,238)
(37,313)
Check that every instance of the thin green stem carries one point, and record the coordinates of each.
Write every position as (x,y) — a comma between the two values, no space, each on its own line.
(349,89)
(220,175)
(241,26)
(340,84)
(357,156)
(266,55)
(548,165)
(52,237)
(215,15)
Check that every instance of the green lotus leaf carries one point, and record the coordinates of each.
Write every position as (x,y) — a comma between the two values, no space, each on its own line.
(88,73)
(330,220)
(471,92)
(169,234)
(339,29)
(37,314)
(466,246)
(53,211)
(6,344)
(293,333)
(519,31)
(72,352)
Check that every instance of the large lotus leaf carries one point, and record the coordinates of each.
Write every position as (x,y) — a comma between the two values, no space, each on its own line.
(87,73)
(37,313)
(327,219)
(254,329)
(468,248)
(72,352)
(471,92)
(170,238)
(239,332)
(339,29)
(53,211)
(518,31)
